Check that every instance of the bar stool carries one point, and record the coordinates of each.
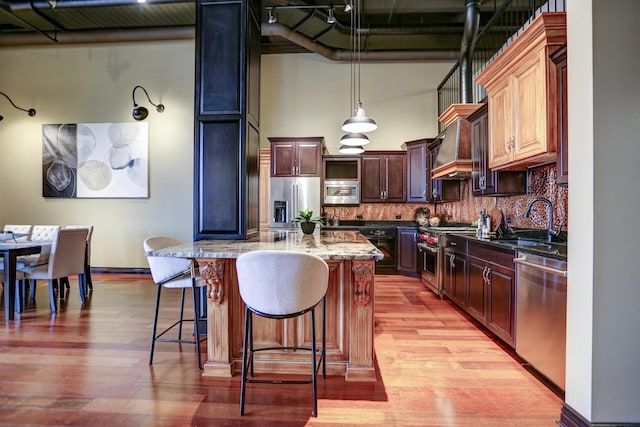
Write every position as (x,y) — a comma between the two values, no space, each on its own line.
(173,273)
(282,285)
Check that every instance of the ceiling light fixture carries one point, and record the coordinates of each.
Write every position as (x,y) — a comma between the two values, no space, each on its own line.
(351,149)
(347,7)
(354,139)
(141,113)
(30,112)
(358,124)
(272,17)
(331,19)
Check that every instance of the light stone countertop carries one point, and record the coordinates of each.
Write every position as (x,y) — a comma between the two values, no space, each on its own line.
(327,244)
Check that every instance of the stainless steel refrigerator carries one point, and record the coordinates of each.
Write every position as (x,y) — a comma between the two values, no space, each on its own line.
(287,196)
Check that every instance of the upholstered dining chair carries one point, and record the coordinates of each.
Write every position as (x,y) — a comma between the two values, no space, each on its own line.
(173,273)
(65,259)
(39,233)
(88,284)
(21,229)
(281,285)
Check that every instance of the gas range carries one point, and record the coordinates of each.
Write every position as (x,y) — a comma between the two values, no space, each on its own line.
(432,235)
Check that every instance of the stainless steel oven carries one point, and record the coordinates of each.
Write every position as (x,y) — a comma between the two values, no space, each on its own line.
(346,192)
(429,256)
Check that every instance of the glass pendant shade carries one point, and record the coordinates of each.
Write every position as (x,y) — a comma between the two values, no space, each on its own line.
(359,123)
(354,139)
(351,149)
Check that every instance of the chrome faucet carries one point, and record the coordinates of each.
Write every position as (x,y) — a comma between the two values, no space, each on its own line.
(551,235)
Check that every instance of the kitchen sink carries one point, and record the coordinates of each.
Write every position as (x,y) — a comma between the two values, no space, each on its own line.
(557,248)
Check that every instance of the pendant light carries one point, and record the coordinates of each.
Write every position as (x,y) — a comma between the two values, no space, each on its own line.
(359,123)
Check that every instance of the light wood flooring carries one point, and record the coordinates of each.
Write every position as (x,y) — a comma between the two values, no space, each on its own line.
(88,366)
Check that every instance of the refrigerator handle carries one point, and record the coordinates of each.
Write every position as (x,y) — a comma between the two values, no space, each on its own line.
(294,196)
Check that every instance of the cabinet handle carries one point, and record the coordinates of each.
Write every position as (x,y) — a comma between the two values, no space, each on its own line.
(483,182)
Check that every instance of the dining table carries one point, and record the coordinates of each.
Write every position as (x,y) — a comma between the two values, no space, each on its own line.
(10,251)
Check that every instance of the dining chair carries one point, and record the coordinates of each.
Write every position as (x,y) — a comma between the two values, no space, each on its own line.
(66,259)
(173,273)
(39,233)
(19,229)
(88,284)
(282,285)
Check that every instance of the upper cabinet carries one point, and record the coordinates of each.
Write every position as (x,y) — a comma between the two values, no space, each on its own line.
(383,177)
(522,96)
(560,59)
(296,156)
(484,181)
(421,188)
(441,190)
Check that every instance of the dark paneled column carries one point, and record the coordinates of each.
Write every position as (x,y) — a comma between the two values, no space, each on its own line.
(227,128)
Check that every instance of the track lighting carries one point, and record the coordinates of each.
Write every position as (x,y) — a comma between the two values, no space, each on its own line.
(331,19)
(141,113)
(347,8)
(272,17)
(31,112)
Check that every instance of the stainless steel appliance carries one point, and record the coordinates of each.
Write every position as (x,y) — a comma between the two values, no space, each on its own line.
(431,246)
(344,192)
(289,195)
(541,311)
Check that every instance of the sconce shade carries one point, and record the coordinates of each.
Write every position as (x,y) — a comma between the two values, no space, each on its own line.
(141,113)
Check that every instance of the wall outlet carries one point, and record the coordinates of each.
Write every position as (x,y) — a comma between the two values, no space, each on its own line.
(509,220)
(398,216)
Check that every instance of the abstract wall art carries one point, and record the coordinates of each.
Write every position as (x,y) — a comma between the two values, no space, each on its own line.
(95,160)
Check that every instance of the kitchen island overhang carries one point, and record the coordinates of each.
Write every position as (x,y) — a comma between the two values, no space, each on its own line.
(349,304)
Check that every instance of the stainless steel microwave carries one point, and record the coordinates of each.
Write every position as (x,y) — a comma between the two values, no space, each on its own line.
(345,192)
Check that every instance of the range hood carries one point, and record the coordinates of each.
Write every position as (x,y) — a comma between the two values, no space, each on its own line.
(453,160)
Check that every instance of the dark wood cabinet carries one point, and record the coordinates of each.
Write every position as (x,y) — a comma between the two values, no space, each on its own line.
(491,284)
(296,156)
(418,174)
(383,177)
(407,251)
(484,181)
(226,115)
(481,280)
(440,190)
(560,59)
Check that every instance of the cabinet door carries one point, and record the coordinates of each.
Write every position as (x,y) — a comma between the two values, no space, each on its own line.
(283,158)
(394,178)
(530,119)
(309,158)
(481,176)
(500,313)
(563,143)
(371,185)
(500,124)
(407,250)
(417,169)
(477,276)
(455,283)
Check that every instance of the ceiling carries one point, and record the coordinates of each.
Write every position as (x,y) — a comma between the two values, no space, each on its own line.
(390,29)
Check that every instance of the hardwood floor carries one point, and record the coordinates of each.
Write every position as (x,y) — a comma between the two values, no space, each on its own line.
(88,366)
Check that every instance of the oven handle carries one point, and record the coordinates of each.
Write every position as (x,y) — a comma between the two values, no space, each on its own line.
(427,248)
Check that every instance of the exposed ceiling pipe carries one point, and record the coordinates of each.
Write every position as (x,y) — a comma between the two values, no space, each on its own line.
(102,36)
(471,25)
(279,30)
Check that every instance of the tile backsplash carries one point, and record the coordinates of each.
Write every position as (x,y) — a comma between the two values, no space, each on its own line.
(541,183)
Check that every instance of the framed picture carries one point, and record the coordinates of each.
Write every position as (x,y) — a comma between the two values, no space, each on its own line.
(95,160)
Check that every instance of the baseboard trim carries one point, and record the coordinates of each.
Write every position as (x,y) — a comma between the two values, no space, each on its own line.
(119,270)
(570,418)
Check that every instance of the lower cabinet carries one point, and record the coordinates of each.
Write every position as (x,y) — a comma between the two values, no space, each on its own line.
(481,281)
(407,251)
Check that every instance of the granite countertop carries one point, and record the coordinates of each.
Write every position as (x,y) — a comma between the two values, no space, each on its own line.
(529,245)
(354,224)
(327,244)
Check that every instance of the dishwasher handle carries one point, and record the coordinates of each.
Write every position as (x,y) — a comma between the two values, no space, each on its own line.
(524,261)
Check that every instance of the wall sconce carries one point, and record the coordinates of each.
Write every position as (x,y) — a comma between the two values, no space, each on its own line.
(141,113)
(31,112)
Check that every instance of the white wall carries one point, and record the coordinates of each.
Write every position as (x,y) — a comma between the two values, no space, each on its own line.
(302,95)
(76,84)
(308,95)
(603,338)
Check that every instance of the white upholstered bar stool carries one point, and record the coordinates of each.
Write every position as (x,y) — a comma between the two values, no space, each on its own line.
(281,285)
(173,273)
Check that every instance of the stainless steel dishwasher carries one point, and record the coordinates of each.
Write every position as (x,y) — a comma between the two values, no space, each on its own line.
(541,312)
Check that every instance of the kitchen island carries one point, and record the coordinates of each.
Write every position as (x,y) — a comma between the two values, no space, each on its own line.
(349,304)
